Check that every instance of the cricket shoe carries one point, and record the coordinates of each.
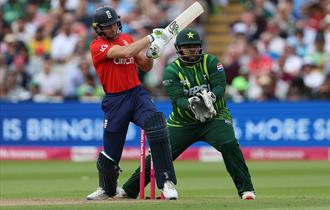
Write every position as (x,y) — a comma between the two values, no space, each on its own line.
(120,194)
(248,195)
(169,191)
(99,194)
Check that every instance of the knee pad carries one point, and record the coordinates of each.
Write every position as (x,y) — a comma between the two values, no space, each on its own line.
(158,136)
(108,173)
(155,127)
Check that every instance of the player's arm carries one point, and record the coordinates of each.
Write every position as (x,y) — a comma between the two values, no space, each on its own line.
(143,61)
(130,50)
(159,37)
(174,87)
(217,76)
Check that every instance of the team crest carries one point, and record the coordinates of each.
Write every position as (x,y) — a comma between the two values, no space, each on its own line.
(220,67)
(108,14)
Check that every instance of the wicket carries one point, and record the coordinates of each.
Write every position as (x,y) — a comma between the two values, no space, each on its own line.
(142,170)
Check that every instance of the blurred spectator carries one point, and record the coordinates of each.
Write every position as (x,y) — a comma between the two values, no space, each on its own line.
(292,62)
(64,43)
(12,10)
(75,77)
(258,64)
(277,43)
(280,50)
(19,68)
(297,42)
(12,90)
(326,31)
(317,54)
(313,77)
(324,91)
(40,44)
(231,63)
(298,90)
(90,90)
(237,90)
(49,82)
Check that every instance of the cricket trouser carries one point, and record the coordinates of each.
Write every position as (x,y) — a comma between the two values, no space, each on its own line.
(133,105)
(217,133)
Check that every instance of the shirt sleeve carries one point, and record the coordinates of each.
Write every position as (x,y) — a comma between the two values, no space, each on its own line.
(217,76)
(174,87)
(99,51)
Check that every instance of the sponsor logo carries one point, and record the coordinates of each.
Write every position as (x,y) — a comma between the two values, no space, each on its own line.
(196,89)
(185,82)
(173,28)
(124,60)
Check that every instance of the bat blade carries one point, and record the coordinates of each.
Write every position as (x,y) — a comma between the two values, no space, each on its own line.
(185,18)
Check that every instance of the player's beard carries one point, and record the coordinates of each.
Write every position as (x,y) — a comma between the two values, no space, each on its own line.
(112,36)
(192,57)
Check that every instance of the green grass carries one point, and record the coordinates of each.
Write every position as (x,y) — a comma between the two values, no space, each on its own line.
(284,185)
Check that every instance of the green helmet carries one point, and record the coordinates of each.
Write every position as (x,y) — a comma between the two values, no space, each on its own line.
(189,37)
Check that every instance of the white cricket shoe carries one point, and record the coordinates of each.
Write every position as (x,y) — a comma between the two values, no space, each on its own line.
(99,194)
(169,191)
(120,193)
(248,195)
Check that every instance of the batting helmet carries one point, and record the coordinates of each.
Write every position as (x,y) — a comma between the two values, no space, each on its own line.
(105,16)
(189,37)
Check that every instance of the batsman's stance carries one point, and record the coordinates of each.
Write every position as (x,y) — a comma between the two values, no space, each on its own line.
(115,57)
(195,83)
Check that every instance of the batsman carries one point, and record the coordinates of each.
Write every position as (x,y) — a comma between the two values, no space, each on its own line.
(195,82)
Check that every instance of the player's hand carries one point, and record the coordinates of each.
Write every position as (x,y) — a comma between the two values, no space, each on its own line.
(160,33)
(199,109)
(153,51)
(161,38)
(156,48)
(209,98)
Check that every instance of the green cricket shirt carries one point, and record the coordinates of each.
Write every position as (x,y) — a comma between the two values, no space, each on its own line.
(184,81)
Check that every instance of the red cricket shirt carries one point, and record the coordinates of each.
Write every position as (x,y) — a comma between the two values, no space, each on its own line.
(115,74)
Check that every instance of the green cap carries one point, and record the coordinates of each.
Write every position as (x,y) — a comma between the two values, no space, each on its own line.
(188,36)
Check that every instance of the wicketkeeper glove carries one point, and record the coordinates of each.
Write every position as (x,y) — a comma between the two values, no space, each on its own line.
(161,38)
(199,108)
(209,98)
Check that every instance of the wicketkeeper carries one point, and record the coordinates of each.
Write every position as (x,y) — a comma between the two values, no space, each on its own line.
(195,83)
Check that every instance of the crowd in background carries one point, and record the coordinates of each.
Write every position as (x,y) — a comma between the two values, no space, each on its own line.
(280,49)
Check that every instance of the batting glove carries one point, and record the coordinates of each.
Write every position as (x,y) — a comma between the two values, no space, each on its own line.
(161,38)
(160,33)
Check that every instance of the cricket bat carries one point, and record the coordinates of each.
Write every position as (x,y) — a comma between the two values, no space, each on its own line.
(182,21)
(185,18)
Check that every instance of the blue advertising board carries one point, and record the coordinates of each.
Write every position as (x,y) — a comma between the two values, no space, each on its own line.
(267,124)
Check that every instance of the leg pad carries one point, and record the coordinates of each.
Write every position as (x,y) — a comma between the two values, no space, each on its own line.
(158,137)
(108,174)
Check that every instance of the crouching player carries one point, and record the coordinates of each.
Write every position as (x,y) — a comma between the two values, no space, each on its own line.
(195,83)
